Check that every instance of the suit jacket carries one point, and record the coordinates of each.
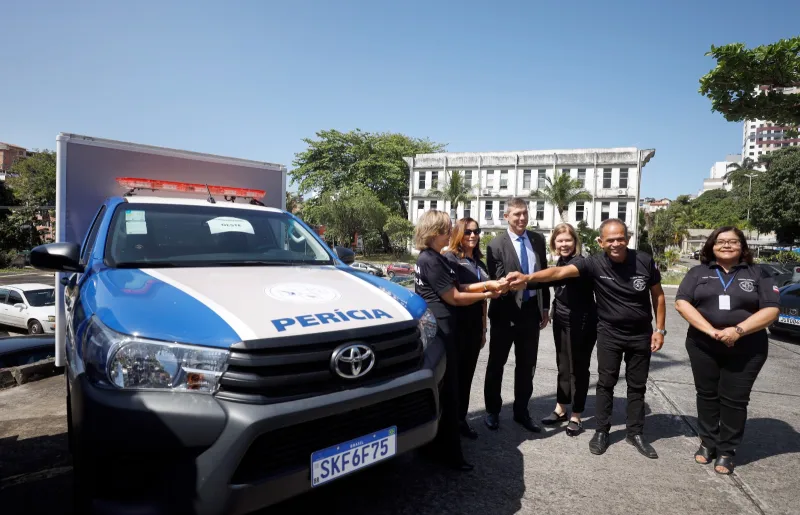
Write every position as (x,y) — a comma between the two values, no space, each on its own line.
(501,259)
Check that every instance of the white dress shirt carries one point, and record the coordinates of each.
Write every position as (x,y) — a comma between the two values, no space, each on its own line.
(530,254)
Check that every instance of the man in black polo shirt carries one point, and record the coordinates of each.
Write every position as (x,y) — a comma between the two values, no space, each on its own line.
(625,283)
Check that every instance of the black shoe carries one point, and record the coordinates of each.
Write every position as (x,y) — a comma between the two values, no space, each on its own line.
(574,428)
(599,443)
(644,448)
(467,431)
(527,422)
(554,418)
(492,421)
(461,465)
(705,454)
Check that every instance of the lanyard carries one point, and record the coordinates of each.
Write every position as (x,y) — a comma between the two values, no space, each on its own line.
(477,268)
(725,286)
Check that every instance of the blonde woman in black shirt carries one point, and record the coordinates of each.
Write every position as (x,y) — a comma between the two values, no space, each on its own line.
(728,304)
(437,283)
(574,316)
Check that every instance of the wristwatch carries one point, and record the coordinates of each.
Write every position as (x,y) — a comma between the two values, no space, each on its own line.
(662,332)
(739,330)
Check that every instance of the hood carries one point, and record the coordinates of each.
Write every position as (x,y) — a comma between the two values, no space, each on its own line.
(221,306)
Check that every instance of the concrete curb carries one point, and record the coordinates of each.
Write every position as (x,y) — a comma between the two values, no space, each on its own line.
(15,376)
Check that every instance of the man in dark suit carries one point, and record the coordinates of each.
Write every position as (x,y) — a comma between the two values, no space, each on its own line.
(516,317)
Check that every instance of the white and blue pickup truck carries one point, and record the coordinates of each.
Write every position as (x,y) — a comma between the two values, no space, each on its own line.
(221,358)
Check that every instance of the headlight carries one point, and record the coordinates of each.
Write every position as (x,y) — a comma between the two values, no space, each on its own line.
(51,318)
(427,328)
(132,363)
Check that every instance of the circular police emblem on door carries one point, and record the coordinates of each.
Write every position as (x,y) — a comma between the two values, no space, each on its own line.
(639,284)
(302,293)
(747,285)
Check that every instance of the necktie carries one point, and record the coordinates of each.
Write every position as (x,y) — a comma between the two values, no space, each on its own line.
(523,261)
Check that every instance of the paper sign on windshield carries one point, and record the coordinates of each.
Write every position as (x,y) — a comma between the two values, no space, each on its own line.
(135,222)
(229,224)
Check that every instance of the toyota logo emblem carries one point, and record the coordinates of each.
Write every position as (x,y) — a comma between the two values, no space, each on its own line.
(793,311)
(352,361)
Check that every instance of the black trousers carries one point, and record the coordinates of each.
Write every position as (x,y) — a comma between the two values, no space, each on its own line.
(448,439)
(723,378)
(635,350)
(468,343)
(574,346)
(523,334)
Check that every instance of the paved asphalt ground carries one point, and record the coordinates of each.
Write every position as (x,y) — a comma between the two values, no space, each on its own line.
(516,472)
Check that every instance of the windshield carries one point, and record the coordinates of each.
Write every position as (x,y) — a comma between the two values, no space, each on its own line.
(161,235)
(39,298)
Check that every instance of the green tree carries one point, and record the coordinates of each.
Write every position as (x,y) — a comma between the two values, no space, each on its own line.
(400,232)
(454,190)
(737,174)
(666,230)
(716,208)
(746,83)
(33,180)
(561,192)
(588,237)
(294,203)
(776,196)
(347,212)
(337,160)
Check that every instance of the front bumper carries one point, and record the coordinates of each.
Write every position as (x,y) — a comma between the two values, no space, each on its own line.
(782,328)
(155,452)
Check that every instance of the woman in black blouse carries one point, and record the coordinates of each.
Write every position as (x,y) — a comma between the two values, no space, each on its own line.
(464,255)
(728,304)
(437,283)
(574,316)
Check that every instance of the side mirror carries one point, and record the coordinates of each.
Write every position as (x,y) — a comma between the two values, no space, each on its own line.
(57,257)
(346,255)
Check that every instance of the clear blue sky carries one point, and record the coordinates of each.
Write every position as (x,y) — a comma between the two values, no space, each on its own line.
(252,78)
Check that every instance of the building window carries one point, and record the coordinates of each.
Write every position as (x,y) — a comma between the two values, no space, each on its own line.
(605,207)
(468,210)
(623,177)
(420,205)
(582,177)
(580,211)
(468,178)
(503,179)
(526,180)
(751,153)
(501,208)
(606,177)
(421,183)
(622,210)
(540,179)
(434,180)
(488,215)
(490,179)
(434,204)
(540,209)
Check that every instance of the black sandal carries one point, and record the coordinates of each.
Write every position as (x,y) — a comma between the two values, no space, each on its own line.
(554,418)
(705,453)
(574,428)
(724,461)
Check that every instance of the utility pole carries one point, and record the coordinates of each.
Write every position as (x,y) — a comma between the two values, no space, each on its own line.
(749,191)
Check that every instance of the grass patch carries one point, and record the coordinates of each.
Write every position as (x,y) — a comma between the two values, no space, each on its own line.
(672,278)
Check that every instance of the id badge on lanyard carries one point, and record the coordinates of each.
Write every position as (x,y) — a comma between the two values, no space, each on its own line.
(725,299)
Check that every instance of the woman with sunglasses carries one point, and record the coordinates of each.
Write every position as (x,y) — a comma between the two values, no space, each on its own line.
(728,304)
(436,282)
(464,255)
(574,331)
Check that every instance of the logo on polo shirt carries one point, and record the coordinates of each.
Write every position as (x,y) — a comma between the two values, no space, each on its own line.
(639,284)
(747,285)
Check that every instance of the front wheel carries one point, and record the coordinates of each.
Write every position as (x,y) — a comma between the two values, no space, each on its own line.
(390,274)
(35,327)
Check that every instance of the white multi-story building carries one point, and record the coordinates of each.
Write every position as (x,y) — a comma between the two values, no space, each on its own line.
(760,137)
(610,175)
(716,180)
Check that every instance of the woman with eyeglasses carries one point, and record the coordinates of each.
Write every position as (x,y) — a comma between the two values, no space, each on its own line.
(464,255)
(574,331)
(728,304)
(436,281)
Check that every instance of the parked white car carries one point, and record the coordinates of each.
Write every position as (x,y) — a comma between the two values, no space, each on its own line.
(29,306)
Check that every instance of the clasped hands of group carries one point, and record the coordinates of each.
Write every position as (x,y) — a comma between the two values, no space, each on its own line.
(513,281)
(728,336)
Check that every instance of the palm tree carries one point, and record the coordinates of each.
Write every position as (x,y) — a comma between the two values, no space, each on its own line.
(561,192)
(454,190)
(738,172)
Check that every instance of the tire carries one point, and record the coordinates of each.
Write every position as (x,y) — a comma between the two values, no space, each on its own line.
(35,327)
(371,273)
(390,274)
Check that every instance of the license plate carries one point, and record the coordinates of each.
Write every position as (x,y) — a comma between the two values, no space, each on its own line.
(787,319)
(340,460)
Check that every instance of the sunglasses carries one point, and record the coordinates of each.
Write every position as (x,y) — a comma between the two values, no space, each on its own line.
(470,232)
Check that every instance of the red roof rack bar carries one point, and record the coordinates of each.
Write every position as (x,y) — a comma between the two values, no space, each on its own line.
(186,187)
